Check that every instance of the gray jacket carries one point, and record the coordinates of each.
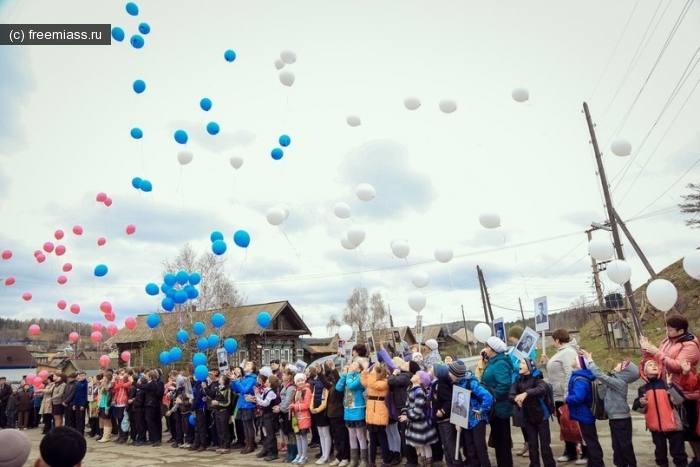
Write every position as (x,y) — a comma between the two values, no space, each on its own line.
(613,389)
(559,369)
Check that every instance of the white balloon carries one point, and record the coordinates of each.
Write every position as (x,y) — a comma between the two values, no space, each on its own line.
(618,271)
(284,208)
(691,264)
(288,57)
(621,147)
(286,77)
(279,64)
(600,249)
(275,215)
(482,332)
(411,103)
(356,234)
(447,106)
(416,300)
(490,220)
(365,191)
(345,332)
(184,157)
(420,279)
(444,255)
(236,162)
(353,120)
(347,244)
(341,210)
(400,248)
(520,94)
(662,294)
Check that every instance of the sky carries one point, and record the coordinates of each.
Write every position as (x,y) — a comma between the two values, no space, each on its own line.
(67,112)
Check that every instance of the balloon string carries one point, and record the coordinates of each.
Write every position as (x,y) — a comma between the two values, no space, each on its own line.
(296,252)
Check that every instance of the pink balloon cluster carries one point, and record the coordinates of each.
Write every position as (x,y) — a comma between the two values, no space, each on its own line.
(103,198)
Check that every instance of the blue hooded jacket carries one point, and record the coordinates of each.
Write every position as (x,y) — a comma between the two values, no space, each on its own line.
(80,396)
(580,396)
(481,399)
(354,397)
(245,386)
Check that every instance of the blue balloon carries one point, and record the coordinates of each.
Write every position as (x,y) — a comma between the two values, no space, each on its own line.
(218,320)
(199,359)
(132,8)
(191,292)
(205,104)
(203,344)
(241,238)
(175,354)
(216,235)
(213,340)
(230,345)
(180,296)
(285,140)
(136,182)
(182,336)
(169,279)
(199,328)
(136,133)
(146,186)
(181,136)
(164,357)
(264,319)
(139,86)
(144,28)
(213,128)
(153,321)
(170,293)
(152,289)
(182,277)
(137,41)
(229,55)
(101,270)
(118,34)
(201,372)
(195,277)
(191,420)
(168,304)
(218,247)
(277,154)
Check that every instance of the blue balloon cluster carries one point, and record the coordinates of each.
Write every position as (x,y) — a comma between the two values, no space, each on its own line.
(229,55)
(141,184)
(101,270)
(177,288)
(181,137)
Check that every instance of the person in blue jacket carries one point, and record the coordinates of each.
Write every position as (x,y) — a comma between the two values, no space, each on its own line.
(480,405)
(514,335)
(80,402)
(350,383)
(579,400)
(498,375)
(245,385)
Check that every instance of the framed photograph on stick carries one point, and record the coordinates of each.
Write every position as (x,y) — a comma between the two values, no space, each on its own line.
(527,342)
(459,414)
(222,358)
(499,329)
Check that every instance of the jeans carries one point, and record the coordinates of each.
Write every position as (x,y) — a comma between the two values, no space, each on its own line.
(539,438)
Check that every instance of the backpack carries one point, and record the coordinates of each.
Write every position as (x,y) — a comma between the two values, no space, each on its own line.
(547,402)
(492,412)
(428,409)
(597,404)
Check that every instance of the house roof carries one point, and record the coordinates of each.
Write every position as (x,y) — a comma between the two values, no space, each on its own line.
(314,349)
(92,364)
(16,356)
(459,336)
(240,321)
(431,331)
(387,335)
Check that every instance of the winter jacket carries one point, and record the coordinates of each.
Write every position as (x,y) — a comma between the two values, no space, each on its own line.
(5,393)
(398,385)
(690,383)
(244,386)
(12,403)
(377,412)
(80,398)
(24,400)
(481,399)
(319,394)
(46,406)
(498,375)
(354,399)
(223,397)
(150,390)
(57,397)
(441,399)
(334,401)
(580,396)
(613,389)
(432,358)
(287,396)
(535,387)
(300,406)
(69,393)
(662,412)
(199,393)
(418,431)
(670,354)
(120,392)
(559,369)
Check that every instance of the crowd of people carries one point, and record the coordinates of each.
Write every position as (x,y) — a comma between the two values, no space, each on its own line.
(397,408)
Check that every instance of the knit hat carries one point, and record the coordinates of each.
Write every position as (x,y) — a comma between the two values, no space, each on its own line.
(432,344)
(441,371)
(515,331)
(531,365)
(266,371)
(624,364)
(63,447)
(15,448)
(300,377)
(416,355)
(425,378)
(457,368)
(496,344)
(644,367)
(413,367)
(582,362)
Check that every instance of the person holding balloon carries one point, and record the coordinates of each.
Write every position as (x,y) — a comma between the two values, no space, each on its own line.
(222,405)
(245,385)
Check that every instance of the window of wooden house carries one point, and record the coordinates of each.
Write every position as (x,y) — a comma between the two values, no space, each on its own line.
(266,357)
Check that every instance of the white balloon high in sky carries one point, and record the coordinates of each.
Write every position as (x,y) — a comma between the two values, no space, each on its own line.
(359,150)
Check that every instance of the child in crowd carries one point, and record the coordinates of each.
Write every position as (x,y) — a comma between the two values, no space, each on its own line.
(354,409)
(267,400)
(419,430)
(377,413)
(479,407)
(11,409)
(580,400)
(301,413)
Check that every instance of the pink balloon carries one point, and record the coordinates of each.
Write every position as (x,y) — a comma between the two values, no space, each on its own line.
(110,316)
(37,253)
(104,360)
(67,267)
(130,322)
(108,202)
(60,250)
(61,304)
(26,296)
(75,308)
(101,241)
(105,307)
(9,281)
(7,254)
(96,327)
(101,197)
(112,329)
(77,230)
(58,234)
(48,247)
(34,329)
(126,356)
(96,336)
(30,378)
(43,374)
(41,257)
(130,229)
(37,383)
(73,336)
(62,280)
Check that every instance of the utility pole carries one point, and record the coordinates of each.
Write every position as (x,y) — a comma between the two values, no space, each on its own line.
(641,255)
(522,313)
(612,219)
(483,295)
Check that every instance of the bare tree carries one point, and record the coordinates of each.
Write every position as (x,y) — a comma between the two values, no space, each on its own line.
(364,311)
(691,205)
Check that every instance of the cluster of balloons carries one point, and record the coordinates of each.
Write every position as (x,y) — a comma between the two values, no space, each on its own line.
(74,308)
(136,40)
(277,214)
(218,246)
(287,57)
(446,105)
(104,199)
(278,153)
(178,288)
(142,184)
(356,234)
(106,308)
